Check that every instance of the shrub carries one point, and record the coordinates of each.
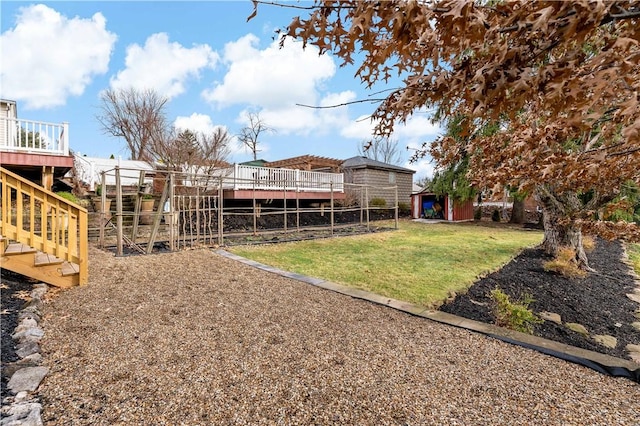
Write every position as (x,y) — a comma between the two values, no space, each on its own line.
(513,315)
(377,202)
(404,208)
(68,196)
(495,216)
(477,213)
(564,264)
(588,243)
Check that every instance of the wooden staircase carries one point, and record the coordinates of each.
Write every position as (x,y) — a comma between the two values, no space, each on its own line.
(43,236)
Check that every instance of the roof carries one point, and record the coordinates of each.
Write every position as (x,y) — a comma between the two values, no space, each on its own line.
(305,161)
(89,169)
(259,163)
(360,162)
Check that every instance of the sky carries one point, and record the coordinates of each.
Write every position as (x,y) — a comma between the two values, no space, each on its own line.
(214,67)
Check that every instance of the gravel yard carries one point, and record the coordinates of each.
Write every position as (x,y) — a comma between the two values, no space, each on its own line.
(194,338)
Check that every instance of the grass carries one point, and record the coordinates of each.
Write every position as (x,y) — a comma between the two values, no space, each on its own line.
(418,263)
(634,255)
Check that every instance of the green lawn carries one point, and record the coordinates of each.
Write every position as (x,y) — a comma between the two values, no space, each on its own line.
(419,263)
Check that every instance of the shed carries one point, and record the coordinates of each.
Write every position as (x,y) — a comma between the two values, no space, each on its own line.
(365,171)
(428,205)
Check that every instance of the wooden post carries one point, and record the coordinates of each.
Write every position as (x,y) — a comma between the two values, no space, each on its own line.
(119,239)
(156,222)
(47,177)
(366,200)
(397,207)
(331,188)
(361,207)
(285,205)
(297,212)
(103,202)
(137,207)
(198,214)
(220,214)
(172,230)
(255,217)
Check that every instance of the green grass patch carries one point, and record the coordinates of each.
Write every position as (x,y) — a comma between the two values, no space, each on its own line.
(417,263)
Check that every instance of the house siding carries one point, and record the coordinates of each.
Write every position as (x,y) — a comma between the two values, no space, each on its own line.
(378,180)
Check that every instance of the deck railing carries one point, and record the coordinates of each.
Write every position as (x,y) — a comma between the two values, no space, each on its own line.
(39,137)
(267,178)
(45,221)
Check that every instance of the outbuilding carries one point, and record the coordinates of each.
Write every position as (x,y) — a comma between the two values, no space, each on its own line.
(429,205)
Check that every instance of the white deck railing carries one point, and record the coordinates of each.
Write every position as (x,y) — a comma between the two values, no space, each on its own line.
(267,178)
(38,137)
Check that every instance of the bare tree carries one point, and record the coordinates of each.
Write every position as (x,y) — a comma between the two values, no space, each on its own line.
(187,151)
(381,148)
(249,134)
(138,116)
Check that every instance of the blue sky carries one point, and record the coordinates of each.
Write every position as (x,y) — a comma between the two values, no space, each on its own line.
(213,65)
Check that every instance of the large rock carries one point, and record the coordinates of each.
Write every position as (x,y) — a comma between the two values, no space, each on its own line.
(24,414)
(27,379)
(27,348)
(578,328)
(605,340)
(551,316)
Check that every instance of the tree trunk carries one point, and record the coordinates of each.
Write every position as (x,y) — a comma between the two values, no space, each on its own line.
(557,235)
(517,212)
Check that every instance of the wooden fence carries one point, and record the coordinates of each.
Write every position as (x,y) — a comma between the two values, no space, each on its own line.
(192,211)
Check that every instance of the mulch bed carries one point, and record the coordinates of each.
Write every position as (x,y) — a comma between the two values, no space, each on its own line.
(597,301)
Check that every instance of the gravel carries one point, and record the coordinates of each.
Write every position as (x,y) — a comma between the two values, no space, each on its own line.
(194,338)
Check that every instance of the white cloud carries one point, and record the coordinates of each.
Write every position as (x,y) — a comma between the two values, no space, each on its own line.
(272,78)
(163,66)
(198,123)
(48,57)
(361,128)
(423,167)
(417,129)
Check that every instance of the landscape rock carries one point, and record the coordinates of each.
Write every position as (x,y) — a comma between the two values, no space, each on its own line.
(605,340)
(550,316)
(634,296)
(636,325)
(24,414)
(578,328)
(28,315)
(634,352)
(21,396)
(39,290)
(33,359)
(25,324)
(33,334)
(27,379)
(27,348)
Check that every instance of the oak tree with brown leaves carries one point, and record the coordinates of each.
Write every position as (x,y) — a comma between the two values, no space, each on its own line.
(561,77)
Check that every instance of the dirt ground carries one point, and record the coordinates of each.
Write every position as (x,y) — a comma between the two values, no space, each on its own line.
(195,338)
(597,301)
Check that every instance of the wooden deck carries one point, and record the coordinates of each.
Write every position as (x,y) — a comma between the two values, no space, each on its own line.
(249,194)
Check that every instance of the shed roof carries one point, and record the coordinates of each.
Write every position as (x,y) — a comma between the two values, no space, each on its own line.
(360,162)
(306,162)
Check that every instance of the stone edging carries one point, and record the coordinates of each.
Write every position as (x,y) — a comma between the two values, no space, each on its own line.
(24,407)
(549,347)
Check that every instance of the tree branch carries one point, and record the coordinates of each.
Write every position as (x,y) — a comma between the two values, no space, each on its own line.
(359,101)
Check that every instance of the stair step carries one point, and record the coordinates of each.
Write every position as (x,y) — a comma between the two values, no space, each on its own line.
(42,259)
(69,268)
(18,248)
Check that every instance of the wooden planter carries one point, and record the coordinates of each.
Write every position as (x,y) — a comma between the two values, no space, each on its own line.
(146,212)
(97,206)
